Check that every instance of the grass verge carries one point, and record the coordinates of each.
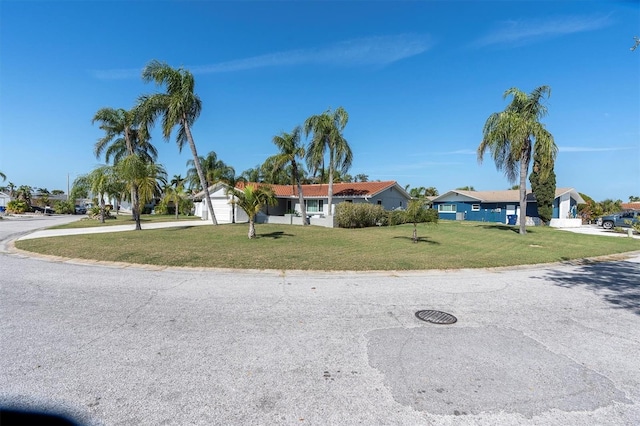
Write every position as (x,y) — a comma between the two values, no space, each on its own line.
(448,245)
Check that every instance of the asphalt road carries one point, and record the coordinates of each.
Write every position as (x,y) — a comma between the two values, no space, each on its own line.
(547,345)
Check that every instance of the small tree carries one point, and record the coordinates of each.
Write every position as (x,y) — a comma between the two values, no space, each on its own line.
(544,190)
(413,214)
(251,199)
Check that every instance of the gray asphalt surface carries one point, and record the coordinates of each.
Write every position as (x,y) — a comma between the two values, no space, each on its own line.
(548,345)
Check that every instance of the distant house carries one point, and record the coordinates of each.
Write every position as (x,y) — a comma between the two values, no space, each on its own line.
(4,200)
(631,206)
(504,206)
(387,194)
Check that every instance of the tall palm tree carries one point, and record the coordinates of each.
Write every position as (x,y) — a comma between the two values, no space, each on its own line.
(512,134)
(124,138)
(251,199)
(178,106)
(291,149)
(327,135)
(3,176)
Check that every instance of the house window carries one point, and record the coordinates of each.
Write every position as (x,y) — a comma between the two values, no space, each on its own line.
(314,206)
(475,207)
(446,208)
(379,202)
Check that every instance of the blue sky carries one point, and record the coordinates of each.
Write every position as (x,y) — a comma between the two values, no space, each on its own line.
(418,79)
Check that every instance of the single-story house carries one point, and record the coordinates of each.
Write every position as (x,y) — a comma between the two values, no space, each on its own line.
(504,206)
(387,194)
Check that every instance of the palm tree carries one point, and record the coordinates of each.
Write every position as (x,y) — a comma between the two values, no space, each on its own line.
(175,192)
(124,138)
(3,176)
(253,174)
(290,149)
(510,134)
(418,192)
(431,192)
(251,199)
(327,135)
(214,170)
(177,180)
(98,182)
(178,106)
(413,214)
(276,175)
(147,177)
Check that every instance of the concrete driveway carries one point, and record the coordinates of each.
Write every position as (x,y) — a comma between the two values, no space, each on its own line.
(552,345)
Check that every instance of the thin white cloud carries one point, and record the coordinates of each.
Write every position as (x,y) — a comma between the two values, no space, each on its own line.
(518,32)
(590,149)
(378,51)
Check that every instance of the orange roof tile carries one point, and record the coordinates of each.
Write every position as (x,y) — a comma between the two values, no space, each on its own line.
(354,189)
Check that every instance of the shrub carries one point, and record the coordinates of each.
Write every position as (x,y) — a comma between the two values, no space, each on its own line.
(399,217)
(396,217)
(350,215)
(17,206)
(64,207)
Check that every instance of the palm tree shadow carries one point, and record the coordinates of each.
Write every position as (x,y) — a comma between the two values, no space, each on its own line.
(618,283)
(274,235)
(420,240)
(503,228)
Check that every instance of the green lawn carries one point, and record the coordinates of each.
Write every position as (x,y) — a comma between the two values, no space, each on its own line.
(447,245)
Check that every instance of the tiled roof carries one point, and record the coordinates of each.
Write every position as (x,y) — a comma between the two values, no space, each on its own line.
(350,190)
(631,206)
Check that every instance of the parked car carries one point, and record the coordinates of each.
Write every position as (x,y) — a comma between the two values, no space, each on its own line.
(81,210)
(620,219)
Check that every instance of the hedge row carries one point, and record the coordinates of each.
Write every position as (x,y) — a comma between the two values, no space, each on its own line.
(356,215)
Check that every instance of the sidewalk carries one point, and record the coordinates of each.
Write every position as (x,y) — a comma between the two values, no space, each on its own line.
(598,230)
(114,228)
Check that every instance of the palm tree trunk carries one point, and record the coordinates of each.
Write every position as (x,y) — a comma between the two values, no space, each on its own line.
(252,229)
(303,208)
(101,209)
(330,192)
(135,206)
(524,168)
(177,202)
(196,161)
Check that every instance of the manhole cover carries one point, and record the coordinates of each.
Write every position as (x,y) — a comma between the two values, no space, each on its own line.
(436,317)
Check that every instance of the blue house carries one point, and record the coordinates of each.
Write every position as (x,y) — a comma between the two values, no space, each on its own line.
(504,206)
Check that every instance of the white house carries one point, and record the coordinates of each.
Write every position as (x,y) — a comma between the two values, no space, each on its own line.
(4,200)
(223,207)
